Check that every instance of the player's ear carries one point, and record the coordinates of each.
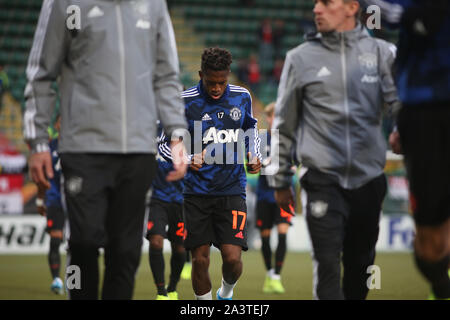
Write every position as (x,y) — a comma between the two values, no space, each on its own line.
(352,8)
(200,74)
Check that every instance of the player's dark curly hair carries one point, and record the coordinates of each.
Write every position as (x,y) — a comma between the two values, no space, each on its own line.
(216,59)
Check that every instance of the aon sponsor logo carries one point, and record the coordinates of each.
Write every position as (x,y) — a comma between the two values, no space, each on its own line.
(221,136)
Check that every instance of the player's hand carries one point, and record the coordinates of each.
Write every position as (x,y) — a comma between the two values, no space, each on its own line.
(40,200)
(41,168)
(285,200)
(253,164)
(394,141)
(197,160)
(179,160)
(41,208)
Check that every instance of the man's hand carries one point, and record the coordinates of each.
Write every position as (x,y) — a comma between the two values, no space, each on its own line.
(41,168)
(197,160)
(179,160)
(253,164)
(394,141)
(285,200)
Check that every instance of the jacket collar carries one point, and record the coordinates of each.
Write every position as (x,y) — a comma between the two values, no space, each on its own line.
(333,39)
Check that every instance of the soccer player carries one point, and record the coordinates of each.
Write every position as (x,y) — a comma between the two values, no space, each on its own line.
(49,204)
(166,210)
(330,103)
(117,70)
(214,196)
(268,214)
(423,136)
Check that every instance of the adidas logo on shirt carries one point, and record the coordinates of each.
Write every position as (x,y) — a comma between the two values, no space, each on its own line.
(95,12)
(143,24)
(324,72)
(206,117)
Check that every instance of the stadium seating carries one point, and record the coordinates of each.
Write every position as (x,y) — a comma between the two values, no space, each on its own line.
(226,23)
(18,23)
(235,26)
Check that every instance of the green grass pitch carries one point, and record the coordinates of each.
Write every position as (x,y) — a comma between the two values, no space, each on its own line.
(28,277)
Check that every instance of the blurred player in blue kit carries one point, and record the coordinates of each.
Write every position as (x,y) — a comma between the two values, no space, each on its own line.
(423,136)
(165,220)
(269,214)
(49,204)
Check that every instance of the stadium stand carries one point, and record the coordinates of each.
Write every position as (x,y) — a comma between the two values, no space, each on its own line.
(232,24)
(18,22)
(235,26)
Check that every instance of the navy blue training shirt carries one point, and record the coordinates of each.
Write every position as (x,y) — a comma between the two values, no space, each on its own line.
(224,123)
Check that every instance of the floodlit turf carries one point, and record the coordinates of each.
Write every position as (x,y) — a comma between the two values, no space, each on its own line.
(28,277)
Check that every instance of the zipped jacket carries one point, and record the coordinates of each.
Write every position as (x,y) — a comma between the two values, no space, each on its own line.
(117,71)
(331,98)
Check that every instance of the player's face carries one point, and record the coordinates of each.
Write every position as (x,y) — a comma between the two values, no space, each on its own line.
(215,82)
(334,15)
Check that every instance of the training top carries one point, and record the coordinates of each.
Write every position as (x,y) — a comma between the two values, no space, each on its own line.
(264,192)
(162,189)
(221,126)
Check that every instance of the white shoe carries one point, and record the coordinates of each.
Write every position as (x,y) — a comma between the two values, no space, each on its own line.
(57,286)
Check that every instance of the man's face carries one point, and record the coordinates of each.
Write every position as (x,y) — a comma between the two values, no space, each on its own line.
(214,82)
(334,15)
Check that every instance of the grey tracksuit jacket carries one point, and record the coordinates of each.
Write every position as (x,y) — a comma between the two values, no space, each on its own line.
(331,97)
(117,70)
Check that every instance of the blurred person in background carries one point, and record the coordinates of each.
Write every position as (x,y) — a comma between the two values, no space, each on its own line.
(268,214)
(423,136)
(117,73)
(165,220)
(49,204)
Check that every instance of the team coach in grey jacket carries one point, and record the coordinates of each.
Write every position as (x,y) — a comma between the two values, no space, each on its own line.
(330,103)
(117,69)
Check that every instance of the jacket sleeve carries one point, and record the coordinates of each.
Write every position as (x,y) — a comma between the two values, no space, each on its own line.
(44,64)
(387,56)
(284,129)
(166,77)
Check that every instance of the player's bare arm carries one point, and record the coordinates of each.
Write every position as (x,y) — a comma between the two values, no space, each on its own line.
(197,160)
(253,164)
